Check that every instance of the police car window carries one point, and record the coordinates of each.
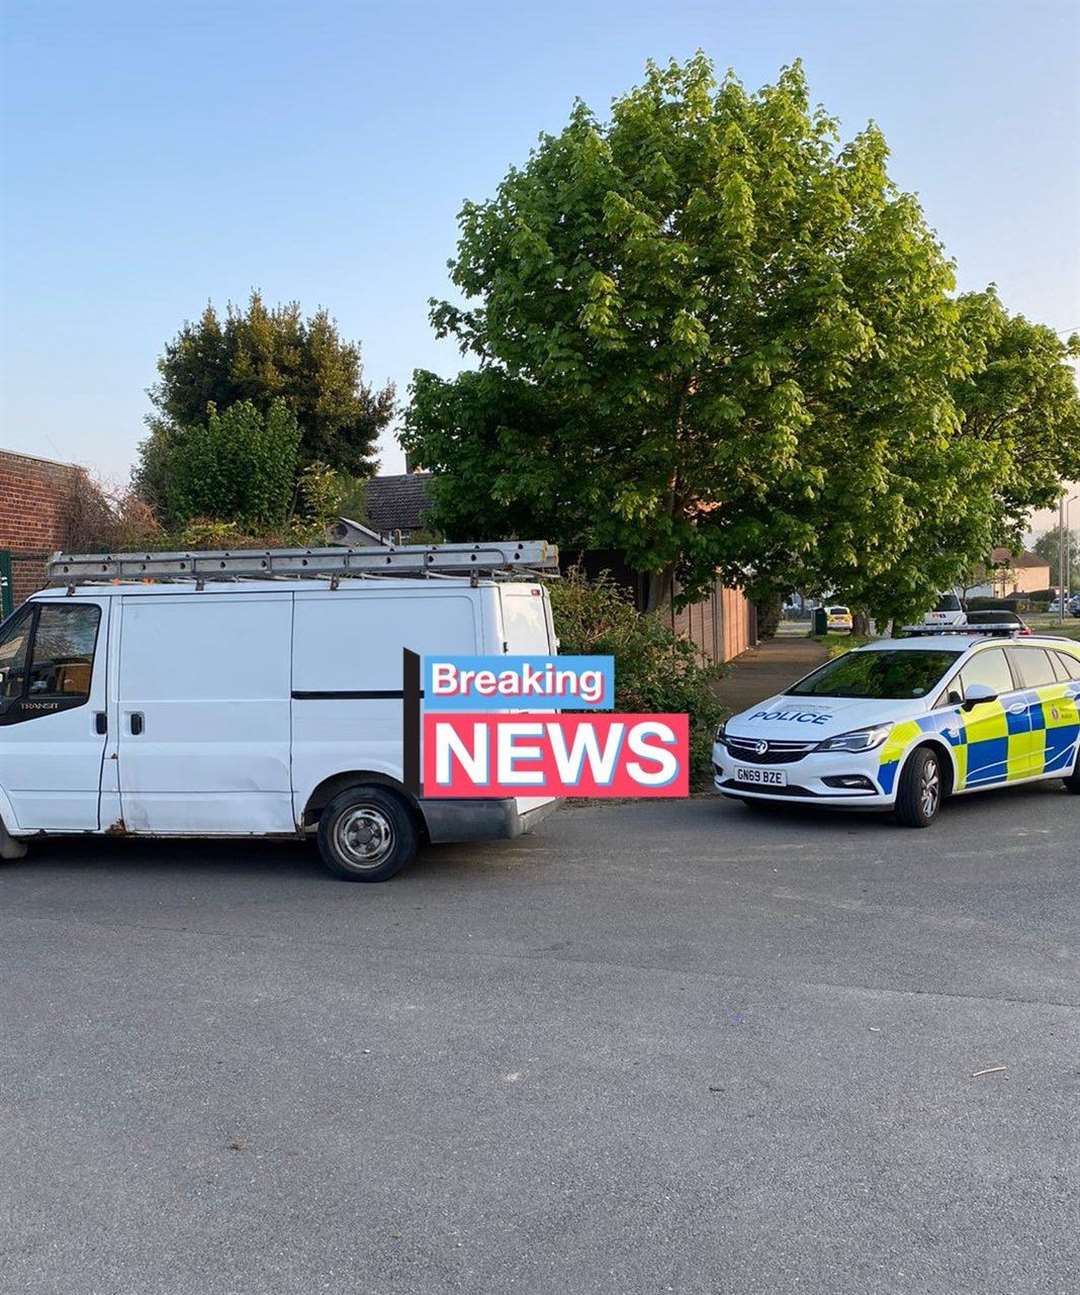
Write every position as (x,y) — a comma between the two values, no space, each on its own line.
(14,641)
(1061,673)
(1033,667)
(883,675)
(63,653)
(989,668)
(1071,664)
(948,603)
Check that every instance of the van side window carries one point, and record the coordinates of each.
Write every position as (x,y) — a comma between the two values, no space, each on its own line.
(14,642)
(62,658)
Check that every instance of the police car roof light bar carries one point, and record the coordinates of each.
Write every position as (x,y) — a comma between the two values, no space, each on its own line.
(502,557)
(940,631)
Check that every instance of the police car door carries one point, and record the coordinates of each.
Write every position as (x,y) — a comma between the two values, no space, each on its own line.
(993,733)
(1050,717)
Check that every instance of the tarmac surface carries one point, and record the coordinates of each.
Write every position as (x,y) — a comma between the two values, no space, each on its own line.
(768,669)
(655,1047)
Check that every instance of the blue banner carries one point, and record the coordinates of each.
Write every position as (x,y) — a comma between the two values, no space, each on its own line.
(482,683)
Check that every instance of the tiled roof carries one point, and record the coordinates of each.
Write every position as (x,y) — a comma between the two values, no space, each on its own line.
(397,503)
(1017,560)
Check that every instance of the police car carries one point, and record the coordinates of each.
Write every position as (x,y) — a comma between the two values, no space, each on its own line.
(902,723)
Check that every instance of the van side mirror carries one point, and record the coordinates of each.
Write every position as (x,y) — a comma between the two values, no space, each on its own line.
(975,693)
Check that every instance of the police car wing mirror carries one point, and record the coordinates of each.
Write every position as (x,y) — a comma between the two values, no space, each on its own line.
(975,693)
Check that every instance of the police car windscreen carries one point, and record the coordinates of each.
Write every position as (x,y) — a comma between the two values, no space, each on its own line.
(887,676)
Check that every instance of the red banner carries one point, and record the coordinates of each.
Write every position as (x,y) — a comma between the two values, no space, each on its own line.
(540,754)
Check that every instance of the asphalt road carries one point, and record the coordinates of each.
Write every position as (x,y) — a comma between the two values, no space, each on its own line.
(673,1047)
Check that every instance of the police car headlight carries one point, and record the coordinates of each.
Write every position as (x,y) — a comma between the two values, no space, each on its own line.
(860,739)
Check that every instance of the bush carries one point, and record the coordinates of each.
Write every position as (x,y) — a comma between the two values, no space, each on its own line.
(239,465)
(100,519)
(655,670)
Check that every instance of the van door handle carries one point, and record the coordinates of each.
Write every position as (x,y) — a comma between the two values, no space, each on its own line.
(136,722)
(101,723)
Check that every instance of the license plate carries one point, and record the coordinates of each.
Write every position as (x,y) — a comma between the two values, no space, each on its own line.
(763,777)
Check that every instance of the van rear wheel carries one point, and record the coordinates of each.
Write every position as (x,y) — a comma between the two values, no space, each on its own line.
(367,833)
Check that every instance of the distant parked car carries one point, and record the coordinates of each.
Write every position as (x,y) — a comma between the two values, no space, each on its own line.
(839,620)
(1074,606)
(948,612)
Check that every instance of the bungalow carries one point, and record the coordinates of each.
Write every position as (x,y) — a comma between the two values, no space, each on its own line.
(1012,573)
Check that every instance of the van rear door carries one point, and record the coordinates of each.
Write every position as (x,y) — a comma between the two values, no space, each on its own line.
(526,618)
(527,631)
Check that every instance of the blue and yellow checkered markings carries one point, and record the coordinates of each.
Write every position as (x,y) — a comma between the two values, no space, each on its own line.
(892,752)
(990,744)
(1055,727)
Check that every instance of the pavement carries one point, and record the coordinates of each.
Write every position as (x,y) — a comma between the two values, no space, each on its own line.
(767,670)
(666,1046)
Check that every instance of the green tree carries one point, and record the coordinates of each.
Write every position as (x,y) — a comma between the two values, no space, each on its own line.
(239,466)
(1020,392)
(713,336)
(1048,546)
(262,354)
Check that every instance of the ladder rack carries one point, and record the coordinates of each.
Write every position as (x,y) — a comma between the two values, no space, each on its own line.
(528,557)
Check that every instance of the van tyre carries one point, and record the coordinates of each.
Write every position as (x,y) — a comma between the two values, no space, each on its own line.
(367,833)
(918,799)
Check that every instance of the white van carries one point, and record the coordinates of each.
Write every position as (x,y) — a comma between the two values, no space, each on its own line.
(248,708)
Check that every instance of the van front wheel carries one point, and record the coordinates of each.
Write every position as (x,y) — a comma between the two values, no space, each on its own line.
(367,833)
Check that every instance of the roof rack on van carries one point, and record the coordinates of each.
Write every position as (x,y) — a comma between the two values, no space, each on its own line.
(498,558)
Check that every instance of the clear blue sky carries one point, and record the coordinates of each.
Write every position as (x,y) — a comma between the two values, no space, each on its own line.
(160,155)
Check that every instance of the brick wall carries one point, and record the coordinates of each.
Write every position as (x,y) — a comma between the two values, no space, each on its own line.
(34,495)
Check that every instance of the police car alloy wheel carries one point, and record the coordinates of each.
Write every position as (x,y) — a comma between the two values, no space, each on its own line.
(919,797)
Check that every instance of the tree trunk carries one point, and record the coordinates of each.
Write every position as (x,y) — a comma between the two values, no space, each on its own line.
(768,615)
(659,588)
(861,624)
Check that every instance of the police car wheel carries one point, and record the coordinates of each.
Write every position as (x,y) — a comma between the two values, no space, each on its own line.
(1072,782)
(367,833)
(918,798)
